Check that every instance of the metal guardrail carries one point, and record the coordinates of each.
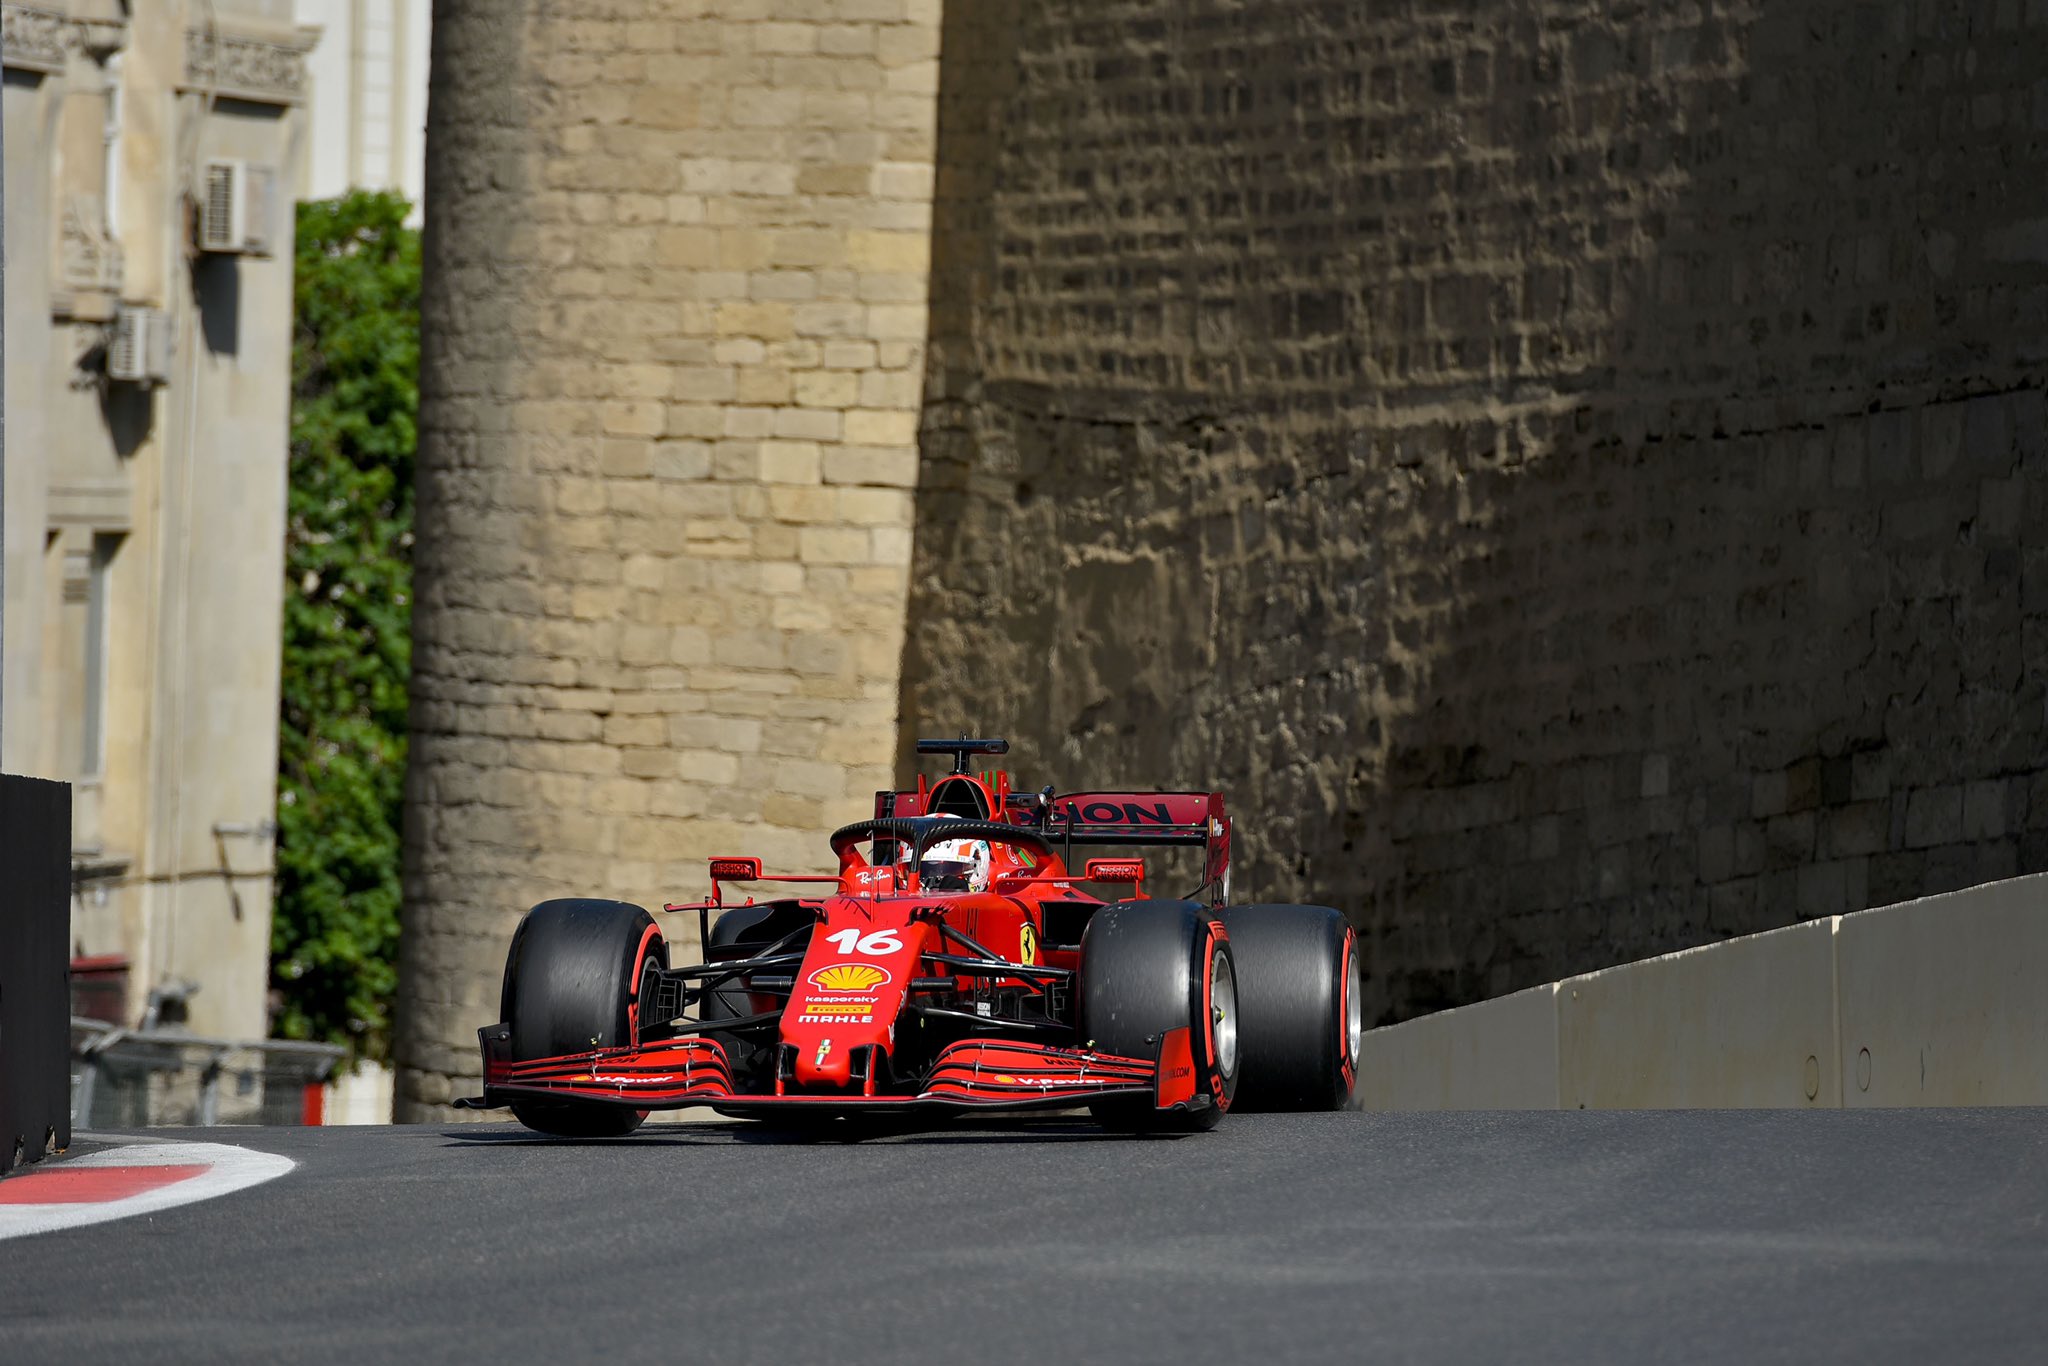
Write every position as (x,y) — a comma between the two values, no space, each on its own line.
(146,1078)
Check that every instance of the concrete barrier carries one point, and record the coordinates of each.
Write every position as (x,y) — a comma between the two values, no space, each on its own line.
(1497,1055)
(35,969)
(1945,1001)
(1748,1024)
(1942,1001)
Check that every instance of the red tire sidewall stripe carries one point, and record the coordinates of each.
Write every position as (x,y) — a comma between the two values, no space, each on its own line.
(1218,1091)
(652,935)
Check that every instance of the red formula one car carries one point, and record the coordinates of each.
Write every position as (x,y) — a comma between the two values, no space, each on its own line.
(952,962)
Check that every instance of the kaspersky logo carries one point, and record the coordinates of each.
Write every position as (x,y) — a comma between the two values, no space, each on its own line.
(849,977)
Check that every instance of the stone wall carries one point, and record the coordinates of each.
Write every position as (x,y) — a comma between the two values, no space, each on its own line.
(1573,472)
(674,334)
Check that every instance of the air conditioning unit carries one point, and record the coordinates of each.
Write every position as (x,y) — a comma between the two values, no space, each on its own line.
(237,209)
(139,347)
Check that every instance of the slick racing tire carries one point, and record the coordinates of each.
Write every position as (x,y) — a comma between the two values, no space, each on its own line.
(1151,966)
(1299,1018)
(572,983)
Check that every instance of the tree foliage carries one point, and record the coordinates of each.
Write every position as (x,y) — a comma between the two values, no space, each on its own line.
(347,621)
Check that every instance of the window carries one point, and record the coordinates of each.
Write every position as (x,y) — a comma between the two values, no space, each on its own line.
(82,699)
(92,751)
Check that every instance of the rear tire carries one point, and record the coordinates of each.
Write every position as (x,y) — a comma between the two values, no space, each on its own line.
(572,984)
(1151,966)
(1299,1006)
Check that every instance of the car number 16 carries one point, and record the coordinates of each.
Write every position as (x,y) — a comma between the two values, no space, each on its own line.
(876,945)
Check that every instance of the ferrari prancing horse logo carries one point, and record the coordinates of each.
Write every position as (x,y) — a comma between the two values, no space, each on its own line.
(1027,946)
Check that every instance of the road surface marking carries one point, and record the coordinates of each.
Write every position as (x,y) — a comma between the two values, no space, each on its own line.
(126,1180)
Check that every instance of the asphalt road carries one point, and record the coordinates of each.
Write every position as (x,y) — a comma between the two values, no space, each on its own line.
(1871,1237)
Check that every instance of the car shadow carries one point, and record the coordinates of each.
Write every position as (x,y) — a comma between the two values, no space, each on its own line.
(767,1133)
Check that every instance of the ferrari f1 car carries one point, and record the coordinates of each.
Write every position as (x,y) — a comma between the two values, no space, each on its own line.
(954,961)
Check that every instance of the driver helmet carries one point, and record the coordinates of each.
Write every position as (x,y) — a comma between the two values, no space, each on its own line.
(954,866)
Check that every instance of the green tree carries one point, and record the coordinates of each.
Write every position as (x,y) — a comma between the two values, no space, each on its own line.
(347,621)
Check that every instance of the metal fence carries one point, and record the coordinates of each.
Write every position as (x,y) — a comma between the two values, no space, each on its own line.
(135,1078)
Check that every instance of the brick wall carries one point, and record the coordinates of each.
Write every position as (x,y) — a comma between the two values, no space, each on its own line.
(674,337)
(1573,472)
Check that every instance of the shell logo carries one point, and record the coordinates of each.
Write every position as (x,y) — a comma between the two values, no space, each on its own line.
(849,977)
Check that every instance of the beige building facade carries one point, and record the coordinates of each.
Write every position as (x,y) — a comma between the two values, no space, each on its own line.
(366,98)
(151,153)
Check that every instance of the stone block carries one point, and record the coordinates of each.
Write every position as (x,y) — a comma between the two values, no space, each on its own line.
(1716,853)
(874,507)
(833,545)
(904,323)
(686,460)
(880,427)
(821,320)
(807,778)
(892,467)
(762,321)
(806,248)
(906,253)
(1934,816)
(804,505)
(712,767)
(846,40)
(827,389)
(807,424)
(831,179)
(783,37)
(847,355)
(891,546)
(1870,775)
(1861,828)
(838,109)
(1770,794)
(873,11)
(1984,810)
(763,386)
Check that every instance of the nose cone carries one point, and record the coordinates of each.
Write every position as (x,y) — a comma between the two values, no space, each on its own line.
(824,1063)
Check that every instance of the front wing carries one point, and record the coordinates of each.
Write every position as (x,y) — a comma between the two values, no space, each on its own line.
(973,1074)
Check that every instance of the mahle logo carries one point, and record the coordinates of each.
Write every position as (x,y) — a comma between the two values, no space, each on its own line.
(849,977)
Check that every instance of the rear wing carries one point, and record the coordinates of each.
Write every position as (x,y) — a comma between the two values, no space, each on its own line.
(1113,818)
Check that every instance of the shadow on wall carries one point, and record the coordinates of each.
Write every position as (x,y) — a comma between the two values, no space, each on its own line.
(1569,477)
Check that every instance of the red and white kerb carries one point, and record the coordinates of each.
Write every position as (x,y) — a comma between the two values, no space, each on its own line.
(133,1178)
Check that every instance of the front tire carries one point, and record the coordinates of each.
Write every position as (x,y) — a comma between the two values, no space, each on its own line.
(572,984)
(1298,992)
(1148,967)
